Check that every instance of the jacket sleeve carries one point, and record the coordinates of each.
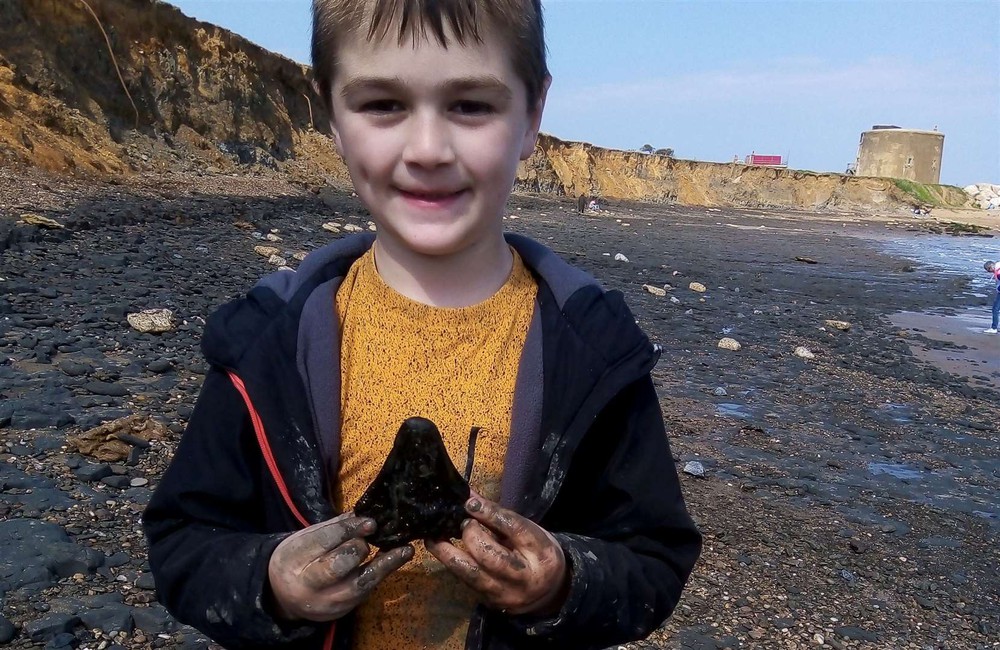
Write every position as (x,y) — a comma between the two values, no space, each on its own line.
(208,544)
(624,527)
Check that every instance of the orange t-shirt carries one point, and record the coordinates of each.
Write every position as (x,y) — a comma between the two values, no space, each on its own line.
(454,366)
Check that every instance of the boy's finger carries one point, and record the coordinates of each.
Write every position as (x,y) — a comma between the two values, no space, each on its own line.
(506,523)
(316,541)
(486,551)
(382,565)
(335,565)
(464,567)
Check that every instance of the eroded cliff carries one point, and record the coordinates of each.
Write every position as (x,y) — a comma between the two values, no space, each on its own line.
(575,168)
(186,88)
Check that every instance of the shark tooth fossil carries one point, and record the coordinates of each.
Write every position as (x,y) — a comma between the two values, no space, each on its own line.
(418,493)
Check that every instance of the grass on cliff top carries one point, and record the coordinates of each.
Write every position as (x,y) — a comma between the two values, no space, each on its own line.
(934,195)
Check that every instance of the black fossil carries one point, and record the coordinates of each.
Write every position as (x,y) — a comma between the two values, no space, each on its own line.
(418,493)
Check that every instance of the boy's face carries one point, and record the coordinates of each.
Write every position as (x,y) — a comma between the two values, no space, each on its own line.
(432,137)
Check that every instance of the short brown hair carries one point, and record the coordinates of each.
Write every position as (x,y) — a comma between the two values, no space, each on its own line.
(519,22)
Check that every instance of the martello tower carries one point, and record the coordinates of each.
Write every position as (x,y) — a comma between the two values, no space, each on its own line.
(893,152)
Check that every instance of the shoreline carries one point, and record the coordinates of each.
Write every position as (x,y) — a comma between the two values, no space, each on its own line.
(954,343)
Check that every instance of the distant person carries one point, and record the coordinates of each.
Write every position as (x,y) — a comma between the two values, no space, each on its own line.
(581,203)
(577,535)
(994,269)
(594,206)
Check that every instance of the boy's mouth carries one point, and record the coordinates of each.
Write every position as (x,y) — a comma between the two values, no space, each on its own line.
(430,196)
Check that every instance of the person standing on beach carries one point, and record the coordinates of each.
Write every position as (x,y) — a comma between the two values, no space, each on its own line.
(577,535)
(994,268)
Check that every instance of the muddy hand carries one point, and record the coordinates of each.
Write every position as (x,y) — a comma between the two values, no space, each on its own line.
(515,565)
(317,573)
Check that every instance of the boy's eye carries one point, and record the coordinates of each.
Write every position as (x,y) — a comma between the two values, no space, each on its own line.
(470,107)
(381,106)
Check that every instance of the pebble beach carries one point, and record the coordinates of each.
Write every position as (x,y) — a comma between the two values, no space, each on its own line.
(843,462)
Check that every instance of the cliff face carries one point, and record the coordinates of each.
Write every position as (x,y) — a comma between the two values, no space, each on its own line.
(192,96)
(193,85)
(575,168)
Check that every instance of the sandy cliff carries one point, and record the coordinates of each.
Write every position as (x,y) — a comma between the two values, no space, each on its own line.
(138,87)
(197,90)
(574,168)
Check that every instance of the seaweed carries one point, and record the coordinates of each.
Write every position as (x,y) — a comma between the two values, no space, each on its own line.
(418,493)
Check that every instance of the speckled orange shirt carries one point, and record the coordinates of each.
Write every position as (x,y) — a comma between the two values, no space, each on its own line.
(456,367)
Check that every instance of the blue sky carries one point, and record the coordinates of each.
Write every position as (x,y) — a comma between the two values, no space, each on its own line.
(713,79)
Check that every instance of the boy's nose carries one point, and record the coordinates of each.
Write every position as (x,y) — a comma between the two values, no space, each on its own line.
(428,142)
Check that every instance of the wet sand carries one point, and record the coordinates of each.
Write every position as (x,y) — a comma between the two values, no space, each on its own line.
(955,343)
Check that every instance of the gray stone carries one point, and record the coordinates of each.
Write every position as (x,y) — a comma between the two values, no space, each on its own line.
(45,443)
(34,553)
(160,366)
(105,388)
(74,369)
(61,640)
(153,619)
(145,581)
(116,481)
(66,560)
(110,618)
(856,633)
(49,626)
(7,630)
(91,472)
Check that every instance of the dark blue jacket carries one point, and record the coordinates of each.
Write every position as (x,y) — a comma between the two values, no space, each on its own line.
(588,459)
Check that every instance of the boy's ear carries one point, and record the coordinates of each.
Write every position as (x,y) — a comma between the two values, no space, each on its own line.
(333,123)
(535,120)
(335,132)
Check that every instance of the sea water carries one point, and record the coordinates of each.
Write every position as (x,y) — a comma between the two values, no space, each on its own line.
(961,256)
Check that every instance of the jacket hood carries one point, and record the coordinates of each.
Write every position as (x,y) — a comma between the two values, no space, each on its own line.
(233,328)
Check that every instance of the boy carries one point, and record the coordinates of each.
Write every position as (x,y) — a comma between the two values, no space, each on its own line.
(994,269)
(577,535)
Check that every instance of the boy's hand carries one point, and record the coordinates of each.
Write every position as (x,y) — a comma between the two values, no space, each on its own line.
(317,573)
(515,565)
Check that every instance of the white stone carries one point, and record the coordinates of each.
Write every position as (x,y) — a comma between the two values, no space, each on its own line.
(620,257)
(730,344)
(804,352)
(33,219)
(694,468)
(841,325)
(697,286)
(151,321)
(656,291)
(266,251)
